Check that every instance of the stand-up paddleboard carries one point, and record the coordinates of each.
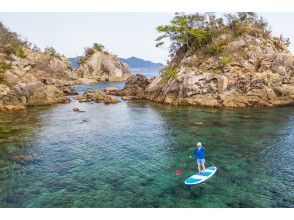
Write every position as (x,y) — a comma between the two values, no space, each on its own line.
(199,178)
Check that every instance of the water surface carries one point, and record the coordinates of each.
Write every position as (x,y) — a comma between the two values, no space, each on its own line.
(126,155)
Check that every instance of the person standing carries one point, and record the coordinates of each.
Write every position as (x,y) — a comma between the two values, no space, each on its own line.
(199,154)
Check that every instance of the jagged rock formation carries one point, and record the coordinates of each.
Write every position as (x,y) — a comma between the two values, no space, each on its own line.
(99,65)
(248,69)
(258,74)
(29,77)
(33,80)
(135,88)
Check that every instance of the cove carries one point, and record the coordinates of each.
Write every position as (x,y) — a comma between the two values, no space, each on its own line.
(126,155)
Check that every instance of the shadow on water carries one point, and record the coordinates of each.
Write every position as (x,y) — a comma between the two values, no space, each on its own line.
(126,155)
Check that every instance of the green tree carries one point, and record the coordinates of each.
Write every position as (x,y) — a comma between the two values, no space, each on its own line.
(98,47)
(189,33)
(89,51)
(168,73)
(10,42)
(51,51)
(3,67)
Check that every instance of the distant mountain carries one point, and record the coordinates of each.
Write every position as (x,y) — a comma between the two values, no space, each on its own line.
(137,63)
(74,62)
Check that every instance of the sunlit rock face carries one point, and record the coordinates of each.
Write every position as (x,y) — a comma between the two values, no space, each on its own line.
(33,79)
(103,66)
(256,71)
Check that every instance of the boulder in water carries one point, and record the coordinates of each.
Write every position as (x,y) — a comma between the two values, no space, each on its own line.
(77,110)
(134,87)
(68,90)
(97,96)
(110,90)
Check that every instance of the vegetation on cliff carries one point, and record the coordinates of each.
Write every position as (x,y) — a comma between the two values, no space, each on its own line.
(28,76)
(196,32)
(99,65)
(10,43)
(207,35)
(227,61)
(89,51)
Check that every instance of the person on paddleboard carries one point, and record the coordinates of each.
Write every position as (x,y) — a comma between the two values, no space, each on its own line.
(199,154)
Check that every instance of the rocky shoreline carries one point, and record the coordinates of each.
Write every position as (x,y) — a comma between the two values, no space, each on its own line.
(97,96)
(30,77)
(240,65)
(146,89)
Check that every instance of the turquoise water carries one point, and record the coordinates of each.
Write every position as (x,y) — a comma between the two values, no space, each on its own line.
(126,155)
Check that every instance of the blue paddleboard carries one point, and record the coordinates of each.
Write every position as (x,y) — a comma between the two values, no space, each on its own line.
(199,178)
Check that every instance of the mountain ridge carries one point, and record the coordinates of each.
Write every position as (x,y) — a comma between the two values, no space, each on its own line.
(134,63)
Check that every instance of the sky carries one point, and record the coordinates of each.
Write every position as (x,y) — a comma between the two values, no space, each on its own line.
(124,34)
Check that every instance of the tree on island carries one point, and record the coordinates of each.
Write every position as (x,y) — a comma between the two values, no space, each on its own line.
(89,51)
(191,32)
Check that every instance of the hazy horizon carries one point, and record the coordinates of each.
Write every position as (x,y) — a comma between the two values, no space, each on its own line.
(124,34)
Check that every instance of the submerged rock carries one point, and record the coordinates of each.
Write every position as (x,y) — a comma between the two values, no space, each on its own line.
(24,159)
(218,124)
(77,110)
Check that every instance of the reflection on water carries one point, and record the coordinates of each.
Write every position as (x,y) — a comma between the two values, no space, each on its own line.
(126,155)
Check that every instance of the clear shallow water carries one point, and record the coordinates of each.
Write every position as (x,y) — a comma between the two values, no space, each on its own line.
(126,155)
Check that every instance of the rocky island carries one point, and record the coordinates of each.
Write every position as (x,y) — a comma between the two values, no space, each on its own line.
(100,65)
(229,61)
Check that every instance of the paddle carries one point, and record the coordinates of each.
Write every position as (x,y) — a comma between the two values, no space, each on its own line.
(180,170)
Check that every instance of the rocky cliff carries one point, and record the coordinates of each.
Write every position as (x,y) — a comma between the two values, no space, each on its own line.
(100,65)
(29,77)
(232,69)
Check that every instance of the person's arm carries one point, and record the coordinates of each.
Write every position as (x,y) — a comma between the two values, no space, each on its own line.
(204,150)
(193,154)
